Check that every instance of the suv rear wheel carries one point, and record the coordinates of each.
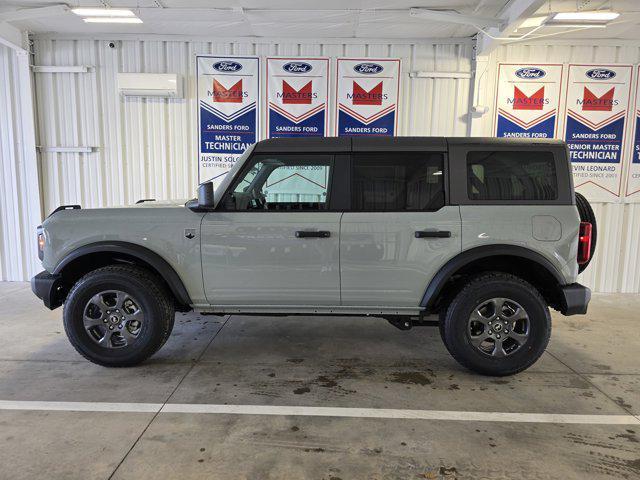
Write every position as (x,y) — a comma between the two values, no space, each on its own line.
(118,316)
(497,324)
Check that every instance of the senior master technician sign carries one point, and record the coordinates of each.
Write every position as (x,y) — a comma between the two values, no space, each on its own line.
(228,89)
(367,96)
(596,113)
(633,175)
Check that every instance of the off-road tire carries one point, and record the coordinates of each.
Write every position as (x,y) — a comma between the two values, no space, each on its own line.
(455,318)
(587,215)
(147,288)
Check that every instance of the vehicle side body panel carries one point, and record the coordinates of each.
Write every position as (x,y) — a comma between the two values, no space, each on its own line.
(382,261)
(159,228)
(255,258)
(549,230)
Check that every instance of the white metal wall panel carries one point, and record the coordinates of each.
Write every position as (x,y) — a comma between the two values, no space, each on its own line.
(616,266)
(147,148)
(19,200)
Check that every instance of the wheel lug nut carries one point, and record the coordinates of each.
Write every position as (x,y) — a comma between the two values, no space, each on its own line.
(105,320)
(110,327)
(506,331)
(119,325)
(497,336)
(490,332)
(489,323)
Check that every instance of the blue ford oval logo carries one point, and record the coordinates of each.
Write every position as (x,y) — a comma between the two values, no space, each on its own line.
(297,67)
(530,72)
(368,68)
(227,66)
(600,73)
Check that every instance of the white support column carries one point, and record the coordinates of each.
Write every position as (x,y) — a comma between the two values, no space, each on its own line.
(33,209)
(479,111)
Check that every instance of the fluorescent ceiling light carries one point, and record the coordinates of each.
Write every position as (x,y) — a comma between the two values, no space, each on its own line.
(533,22)
(112,20)
(103,12)
(602,16)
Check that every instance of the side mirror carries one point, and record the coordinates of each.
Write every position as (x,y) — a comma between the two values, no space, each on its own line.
(205,195)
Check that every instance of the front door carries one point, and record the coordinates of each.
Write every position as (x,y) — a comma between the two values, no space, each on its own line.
(274,240)
(398,232)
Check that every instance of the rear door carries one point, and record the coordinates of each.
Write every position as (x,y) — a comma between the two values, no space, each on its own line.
(398,231)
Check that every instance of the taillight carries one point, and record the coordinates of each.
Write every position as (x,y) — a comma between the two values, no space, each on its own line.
(584,243)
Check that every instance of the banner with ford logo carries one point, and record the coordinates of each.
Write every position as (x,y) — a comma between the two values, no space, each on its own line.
(527,100)
(296,103)
(633,175)
(228,117)
(597,105)
(367,94)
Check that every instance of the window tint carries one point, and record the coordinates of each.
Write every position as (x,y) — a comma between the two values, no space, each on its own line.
(511,175)
(282,182)
(397,181)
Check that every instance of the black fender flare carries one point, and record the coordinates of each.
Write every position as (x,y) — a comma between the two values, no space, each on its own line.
(466,257)
(166,271)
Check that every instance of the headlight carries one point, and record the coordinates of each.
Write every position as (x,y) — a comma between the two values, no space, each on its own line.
(41,242)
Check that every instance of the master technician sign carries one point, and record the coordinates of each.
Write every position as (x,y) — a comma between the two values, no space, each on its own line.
(596,113)
(228,89)
(297,97)
(527,100)
(367,96)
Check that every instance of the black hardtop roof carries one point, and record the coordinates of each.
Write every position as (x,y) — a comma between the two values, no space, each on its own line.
(381,144)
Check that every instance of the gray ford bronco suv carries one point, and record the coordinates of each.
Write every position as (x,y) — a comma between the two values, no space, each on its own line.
(478,236)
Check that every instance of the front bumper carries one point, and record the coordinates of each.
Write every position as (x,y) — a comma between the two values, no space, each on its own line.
(574,299)
(48,288)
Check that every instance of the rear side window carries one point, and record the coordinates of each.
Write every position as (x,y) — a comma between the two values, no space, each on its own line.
(511,175)
(405,181)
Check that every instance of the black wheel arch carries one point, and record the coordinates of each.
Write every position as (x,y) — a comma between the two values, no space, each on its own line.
(520,261)
(99,254)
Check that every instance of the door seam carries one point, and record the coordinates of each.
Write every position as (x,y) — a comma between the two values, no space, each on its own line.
(340,257)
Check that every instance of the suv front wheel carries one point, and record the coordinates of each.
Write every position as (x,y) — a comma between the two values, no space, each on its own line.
(118,316)
(497,324)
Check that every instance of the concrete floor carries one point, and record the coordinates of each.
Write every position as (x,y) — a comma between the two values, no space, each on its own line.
(592,366)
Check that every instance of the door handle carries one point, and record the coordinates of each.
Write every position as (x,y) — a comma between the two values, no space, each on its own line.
(433,234)
(308,234)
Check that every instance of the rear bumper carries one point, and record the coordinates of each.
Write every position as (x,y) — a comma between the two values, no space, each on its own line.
(574,299)
(48,288)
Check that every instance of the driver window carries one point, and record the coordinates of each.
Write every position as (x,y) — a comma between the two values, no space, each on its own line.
(281,182)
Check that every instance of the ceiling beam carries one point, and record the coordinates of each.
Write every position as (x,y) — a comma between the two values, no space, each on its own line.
(11,37)
(512,15)
(31,13)
(449,16)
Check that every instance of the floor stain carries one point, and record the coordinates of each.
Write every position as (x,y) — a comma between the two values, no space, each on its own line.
(620,401)
(301,390)
(412,378)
